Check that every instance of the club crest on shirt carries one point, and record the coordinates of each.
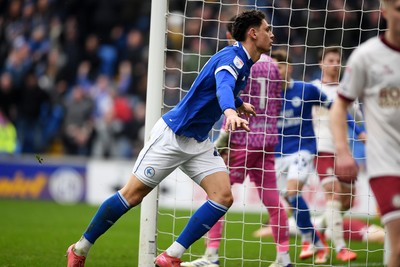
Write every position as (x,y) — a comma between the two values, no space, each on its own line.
(238,62)
(296,102)
(149,172)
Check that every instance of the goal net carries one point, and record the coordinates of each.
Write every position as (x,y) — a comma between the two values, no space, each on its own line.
(195,31)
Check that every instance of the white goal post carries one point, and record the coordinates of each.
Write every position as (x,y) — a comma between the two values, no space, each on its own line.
(155,83)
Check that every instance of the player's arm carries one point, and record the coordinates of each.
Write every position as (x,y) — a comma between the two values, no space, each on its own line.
(346,166)
(351,87)
(246,109)
(359,130)
(225,85)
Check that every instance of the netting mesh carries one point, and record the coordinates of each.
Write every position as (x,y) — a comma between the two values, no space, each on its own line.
(195,31)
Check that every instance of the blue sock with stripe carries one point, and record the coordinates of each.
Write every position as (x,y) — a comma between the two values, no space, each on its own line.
(107,214)
(301,214)
(200,222)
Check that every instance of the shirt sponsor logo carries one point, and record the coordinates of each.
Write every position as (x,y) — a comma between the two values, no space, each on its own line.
(389,97)
(238,62)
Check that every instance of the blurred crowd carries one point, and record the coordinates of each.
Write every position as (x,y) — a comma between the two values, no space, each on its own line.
(303,27)
(73,74)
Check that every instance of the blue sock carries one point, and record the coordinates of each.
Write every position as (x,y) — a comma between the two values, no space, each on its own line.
(200,222)
(107,214)
(302,216)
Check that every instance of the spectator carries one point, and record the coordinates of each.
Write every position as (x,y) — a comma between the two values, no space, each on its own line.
(83,78)
(78,124)
(33,111)
(71,48)
(8,97)
(124,78)
(103,117)
(18,62)
(49,71)
(90,54)
(8,135)
(39,44)
(31,30)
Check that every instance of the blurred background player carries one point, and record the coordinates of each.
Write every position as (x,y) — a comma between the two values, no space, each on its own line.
(373,76)
(296,149)
(338,194)
(180,139)
(353,229)
(252,154)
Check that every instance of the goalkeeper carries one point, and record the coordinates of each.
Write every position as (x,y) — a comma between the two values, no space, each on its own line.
(252,154)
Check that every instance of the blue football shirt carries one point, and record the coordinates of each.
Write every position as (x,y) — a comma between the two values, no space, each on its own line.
(216,88)
(295,127)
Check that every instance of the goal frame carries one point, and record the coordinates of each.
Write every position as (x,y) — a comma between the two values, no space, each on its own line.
(155,81)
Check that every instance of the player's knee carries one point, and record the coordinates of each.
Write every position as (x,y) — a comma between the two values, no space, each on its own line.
(227,199)
(224,198)
(132,198)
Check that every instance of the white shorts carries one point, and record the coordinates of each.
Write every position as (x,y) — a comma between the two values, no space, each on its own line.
(166,151)
(297,166)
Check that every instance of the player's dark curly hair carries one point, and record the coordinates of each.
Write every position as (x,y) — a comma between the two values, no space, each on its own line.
(245,20)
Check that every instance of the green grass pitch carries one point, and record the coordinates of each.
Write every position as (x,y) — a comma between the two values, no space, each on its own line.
(37,233)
